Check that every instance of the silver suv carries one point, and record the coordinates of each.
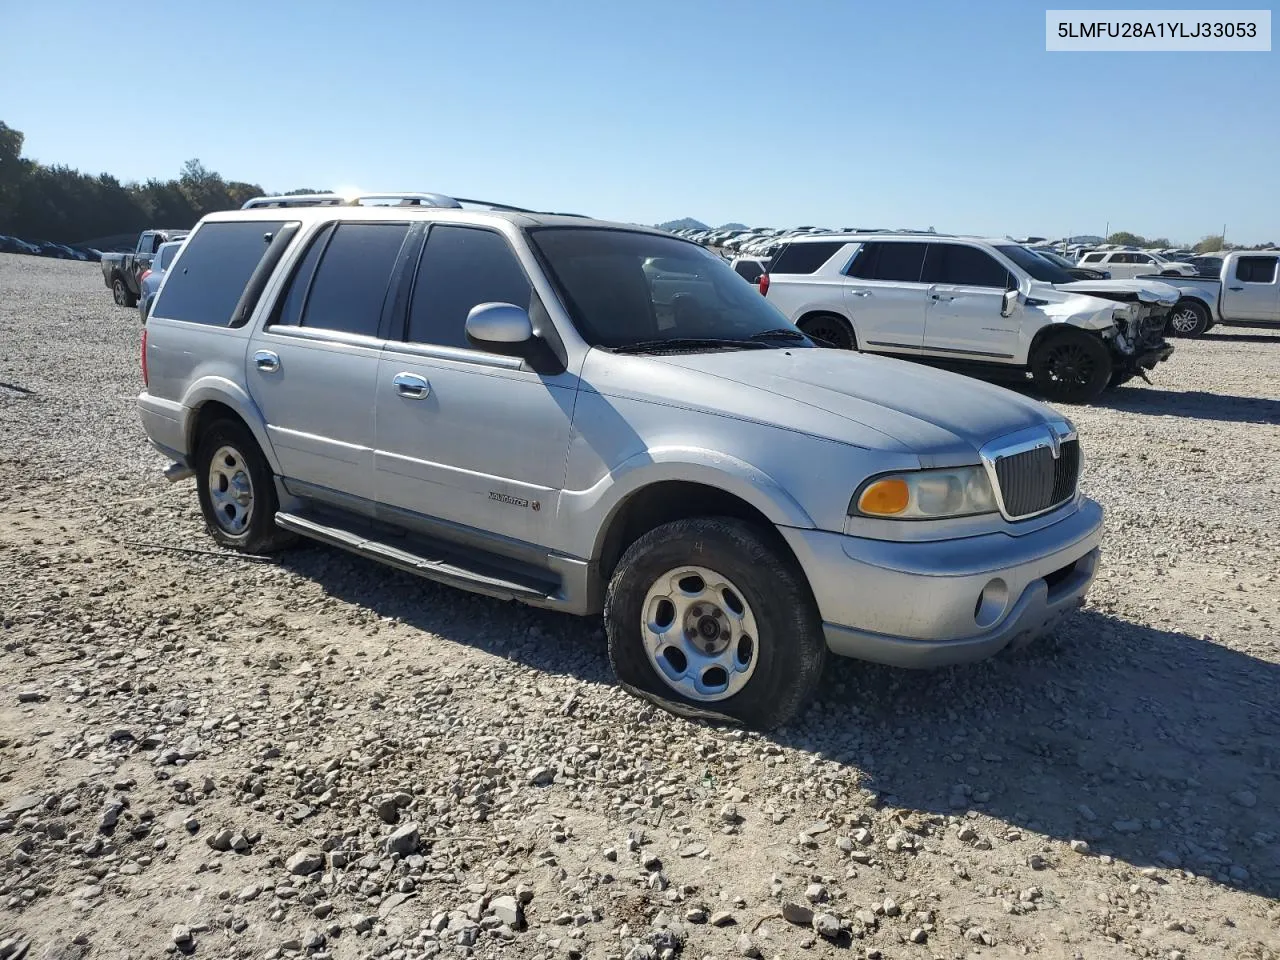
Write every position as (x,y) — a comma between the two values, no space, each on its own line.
(593,417)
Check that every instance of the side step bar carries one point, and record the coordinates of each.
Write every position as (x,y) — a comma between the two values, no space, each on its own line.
(454,571)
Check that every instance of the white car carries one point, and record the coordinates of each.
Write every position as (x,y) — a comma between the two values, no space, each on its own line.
(1124,264)
(990,308)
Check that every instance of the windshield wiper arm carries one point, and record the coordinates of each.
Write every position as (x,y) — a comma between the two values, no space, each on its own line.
(687,343)
(782,333)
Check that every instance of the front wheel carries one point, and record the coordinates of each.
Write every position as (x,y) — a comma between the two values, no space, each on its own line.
(1072,367)
(708,618)
(1188,319)
(828,330)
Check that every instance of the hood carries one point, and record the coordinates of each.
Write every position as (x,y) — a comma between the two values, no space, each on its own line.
(854,398)
(1144,291)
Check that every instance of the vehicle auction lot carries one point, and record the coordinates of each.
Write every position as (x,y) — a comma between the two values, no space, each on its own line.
(321,703)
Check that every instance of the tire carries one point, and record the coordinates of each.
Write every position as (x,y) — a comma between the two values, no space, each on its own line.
(237,492)
(769,676)
(121,295)
(1188,318)
(827,329)
(1072,367)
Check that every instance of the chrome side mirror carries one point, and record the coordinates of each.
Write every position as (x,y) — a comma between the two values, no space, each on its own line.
(500,328)
(1010,303)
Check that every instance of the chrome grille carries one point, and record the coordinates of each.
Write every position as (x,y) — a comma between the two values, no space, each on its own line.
(1034,480)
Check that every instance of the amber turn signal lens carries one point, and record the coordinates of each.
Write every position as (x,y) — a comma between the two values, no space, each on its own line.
(885,498)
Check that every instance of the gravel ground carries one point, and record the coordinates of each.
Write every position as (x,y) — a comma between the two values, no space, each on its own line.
(205,754)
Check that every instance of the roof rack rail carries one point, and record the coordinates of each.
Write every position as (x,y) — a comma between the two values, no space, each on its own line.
(354,200)
(396,199)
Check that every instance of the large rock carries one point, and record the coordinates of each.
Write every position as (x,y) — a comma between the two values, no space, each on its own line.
(405,840)
(305,862)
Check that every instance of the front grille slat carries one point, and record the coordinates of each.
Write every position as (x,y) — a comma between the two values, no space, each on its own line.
(1035,480)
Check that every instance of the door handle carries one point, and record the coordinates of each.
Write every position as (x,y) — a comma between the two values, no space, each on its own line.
(859,293)
(267,361)
(1235,289)
(411,385)
(934,296)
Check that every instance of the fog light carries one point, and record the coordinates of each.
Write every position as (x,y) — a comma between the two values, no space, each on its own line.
(991,603)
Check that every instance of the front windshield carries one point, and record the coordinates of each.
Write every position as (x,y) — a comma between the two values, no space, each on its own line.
(1159,259)
(1036,265)
(1054,258)
(623,288)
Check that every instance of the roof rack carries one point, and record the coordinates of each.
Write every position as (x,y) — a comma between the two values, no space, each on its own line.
(398,200)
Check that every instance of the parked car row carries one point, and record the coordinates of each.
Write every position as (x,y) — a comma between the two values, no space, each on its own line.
(604,419)
(47,248)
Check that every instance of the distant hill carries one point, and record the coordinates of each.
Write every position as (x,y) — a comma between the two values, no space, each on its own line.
(685,223)
(732,226)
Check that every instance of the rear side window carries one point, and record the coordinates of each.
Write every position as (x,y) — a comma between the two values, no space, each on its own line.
(962,265)
(1093,258)
(899,262)
(749,270)
(166,256)
(218,260)
(1257,269)
(351,281)
(804,257)
(462,267)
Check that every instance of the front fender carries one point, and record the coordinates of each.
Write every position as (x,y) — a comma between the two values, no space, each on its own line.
(212,389)
(688,465)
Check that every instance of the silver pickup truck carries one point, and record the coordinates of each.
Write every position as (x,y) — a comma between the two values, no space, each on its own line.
(599,418)
(1246,294)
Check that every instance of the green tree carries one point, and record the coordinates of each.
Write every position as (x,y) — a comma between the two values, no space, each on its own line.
(1209,244)
(1126,239)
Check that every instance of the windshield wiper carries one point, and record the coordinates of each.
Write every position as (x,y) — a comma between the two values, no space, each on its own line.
(782,333)
(688,343)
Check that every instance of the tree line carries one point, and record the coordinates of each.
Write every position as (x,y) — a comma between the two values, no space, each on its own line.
(39,202)
(1207,244)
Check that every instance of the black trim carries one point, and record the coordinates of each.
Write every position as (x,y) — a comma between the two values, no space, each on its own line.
(971,353)
(261,275)
(882,343)
(321,236)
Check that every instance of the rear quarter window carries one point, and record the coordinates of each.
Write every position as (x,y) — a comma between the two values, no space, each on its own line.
(804,257)
(217,261)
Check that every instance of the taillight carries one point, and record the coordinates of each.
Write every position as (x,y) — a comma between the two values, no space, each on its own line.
(145,274)
(146,381)
(764,284)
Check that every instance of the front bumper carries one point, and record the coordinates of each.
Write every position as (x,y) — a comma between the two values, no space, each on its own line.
(928,604)
(1148,358)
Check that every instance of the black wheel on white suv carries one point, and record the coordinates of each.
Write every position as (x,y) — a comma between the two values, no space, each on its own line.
(1188,319)
(1072,366)
(708,618)
(236,489)
(829,330)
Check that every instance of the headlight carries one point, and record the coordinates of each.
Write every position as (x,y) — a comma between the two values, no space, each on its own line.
(925,495)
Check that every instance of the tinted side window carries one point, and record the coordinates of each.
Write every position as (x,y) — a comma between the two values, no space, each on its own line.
(1093,258)
(804,257)
(218,260)
(461,267)
(1257,269)
(958,264)
(749,270)
(288,309)
(351,281)
(900,262)
(166,257)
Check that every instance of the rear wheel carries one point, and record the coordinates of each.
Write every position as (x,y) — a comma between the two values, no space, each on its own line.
(830,331)
(237,490)
(1072,367)
(1188,319)
(707,618)
(121,295)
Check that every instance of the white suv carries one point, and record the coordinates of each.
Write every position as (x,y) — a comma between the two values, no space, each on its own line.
(985,307)
(1124,264)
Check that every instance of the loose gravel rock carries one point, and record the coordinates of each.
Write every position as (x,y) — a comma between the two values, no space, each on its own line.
(179,725)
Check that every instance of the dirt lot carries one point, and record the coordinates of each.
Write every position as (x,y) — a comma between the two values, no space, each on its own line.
(230,758)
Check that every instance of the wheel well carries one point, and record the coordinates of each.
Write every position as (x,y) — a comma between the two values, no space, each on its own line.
(208,412)
(1191,302)
(1046,333)
(670,500)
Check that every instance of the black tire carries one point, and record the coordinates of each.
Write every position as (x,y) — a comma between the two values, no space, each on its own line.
(1072,366)
(259,533)
(789,652)
(1188,318)
(829,330)
(120,293)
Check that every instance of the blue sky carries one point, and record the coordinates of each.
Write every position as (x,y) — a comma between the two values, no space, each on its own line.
(835,113)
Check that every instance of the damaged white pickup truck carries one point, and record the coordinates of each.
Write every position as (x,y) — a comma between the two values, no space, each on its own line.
(990,308)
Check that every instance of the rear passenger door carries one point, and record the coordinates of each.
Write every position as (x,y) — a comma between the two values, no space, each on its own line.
(313,365)
(965,297)
(470,445)
(885,298)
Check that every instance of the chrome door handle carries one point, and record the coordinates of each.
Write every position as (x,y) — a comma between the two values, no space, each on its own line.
(859,293)
(267,360)
(939,298)
(411,385)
